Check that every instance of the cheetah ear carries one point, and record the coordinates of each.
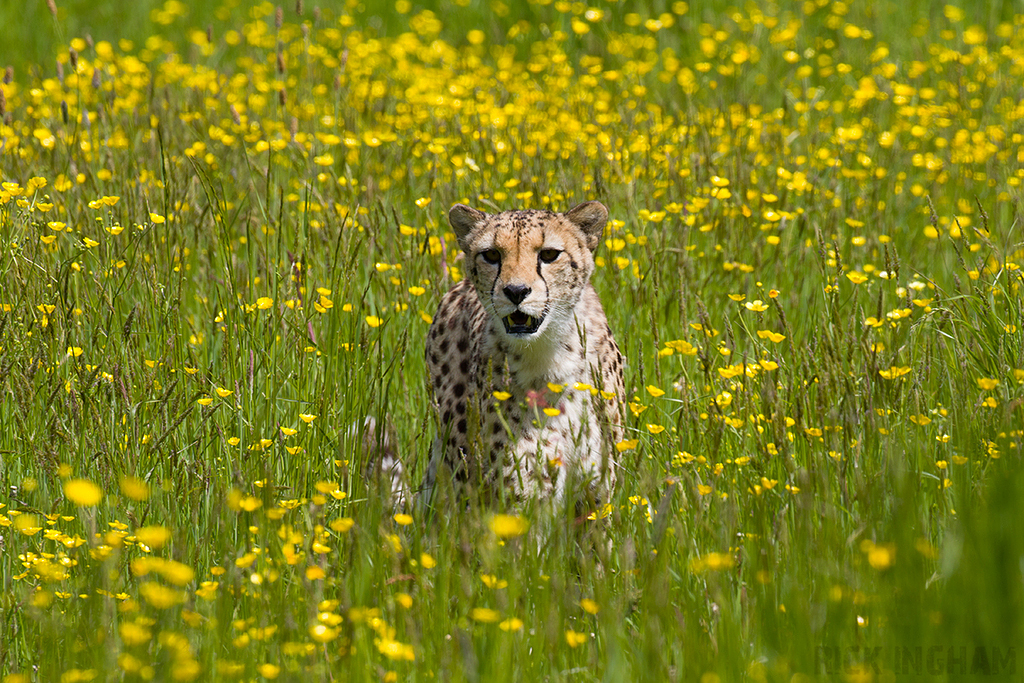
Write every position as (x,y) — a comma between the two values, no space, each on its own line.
(463,219)
(590,217)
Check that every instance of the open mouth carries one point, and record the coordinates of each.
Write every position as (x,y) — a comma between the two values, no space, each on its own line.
(520,323)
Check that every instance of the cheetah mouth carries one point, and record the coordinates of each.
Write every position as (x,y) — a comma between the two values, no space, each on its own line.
(521,323)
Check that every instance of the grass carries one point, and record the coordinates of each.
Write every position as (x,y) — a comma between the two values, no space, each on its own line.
(223,238)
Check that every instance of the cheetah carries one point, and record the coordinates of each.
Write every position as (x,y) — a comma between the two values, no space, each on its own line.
(526,375)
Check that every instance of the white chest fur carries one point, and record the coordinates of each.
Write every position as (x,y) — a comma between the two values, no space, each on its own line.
(555,430)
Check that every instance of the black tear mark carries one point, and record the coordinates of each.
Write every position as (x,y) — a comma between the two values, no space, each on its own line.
(541,276)
(497,276)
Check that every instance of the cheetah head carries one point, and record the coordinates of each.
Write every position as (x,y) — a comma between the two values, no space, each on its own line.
(530,268)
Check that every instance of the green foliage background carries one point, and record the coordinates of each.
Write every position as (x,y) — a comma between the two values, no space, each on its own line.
(235,241)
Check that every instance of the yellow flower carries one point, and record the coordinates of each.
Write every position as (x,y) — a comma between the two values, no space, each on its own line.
(27,524)
(626,445)
(987,384)
(373,321)
(264,302)
(288,431)
(427,561)
(856,277)
(757,306)
(205,401)
(552,412)
(502,395)
(307,418)
(224,393)
(894,372)
(511,624)
(403,519)
(156,218)
(655,429)
(83,492)
(154,536)
(268,670)
(74,351)
(654,391)
(176,572)
(681,346)
(342,524)
(484,615)
(160,596)
(392,649)
(879,556)
(322,633)
(575,639)
(134,633)
(89,243)
(589,606)
(712,561)
(135,488)
(492,581)
(770,336)
(508,526)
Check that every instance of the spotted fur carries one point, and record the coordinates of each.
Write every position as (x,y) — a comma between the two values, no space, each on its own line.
(526,317)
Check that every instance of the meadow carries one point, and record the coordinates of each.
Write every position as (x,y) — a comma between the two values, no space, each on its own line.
(222,239)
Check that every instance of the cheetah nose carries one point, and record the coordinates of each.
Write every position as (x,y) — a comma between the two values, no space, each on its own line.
(516,293)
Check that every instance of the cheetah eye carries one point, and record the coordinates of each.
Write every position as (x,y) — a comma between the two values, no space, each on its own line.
(492,256)
(549,255)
